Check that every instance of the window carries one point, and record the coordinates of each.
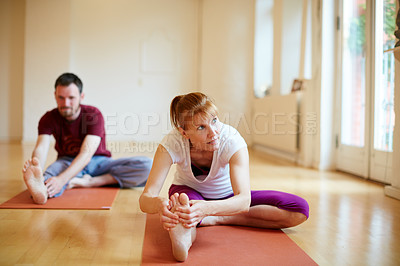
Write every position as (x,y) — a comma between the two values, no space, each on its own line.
(353,73)
(385,25)
(263,47)
(282,45)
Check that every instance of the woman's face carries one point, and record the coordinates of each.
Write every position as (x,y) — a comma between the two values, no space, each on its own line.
(203,132)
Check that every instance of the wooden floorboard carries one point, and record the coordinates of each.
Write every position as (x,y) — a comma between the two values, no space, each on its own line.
(351,221)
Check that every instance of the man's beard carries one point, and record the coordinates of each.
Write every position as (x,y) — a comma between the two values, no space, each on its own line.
(68,112)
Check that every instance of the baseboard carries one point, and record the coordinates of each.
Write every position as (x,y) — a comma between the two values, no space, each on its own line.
(10,140)
(393,192)
(276,153)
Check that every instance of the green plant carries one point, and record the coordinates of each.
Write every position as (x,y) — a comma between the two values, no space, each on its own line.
(356,41)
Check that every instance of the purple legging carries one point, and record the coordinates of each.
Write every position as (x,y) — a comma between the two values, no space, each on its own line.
(281,200)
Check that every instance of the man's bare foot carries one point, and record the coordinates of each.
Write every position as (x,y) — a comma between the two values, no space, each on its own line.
(92,181)
(181,237)
(83,181)
(34,180)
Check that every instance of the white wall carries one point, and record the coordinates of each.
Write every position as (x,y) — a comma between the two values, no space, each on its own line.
(132,56)
(227,59)
(12,20)
(135,56)
(47,55)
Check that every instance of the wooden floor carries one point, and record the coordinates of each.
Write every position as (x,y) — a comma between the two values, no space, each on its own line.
(351,221)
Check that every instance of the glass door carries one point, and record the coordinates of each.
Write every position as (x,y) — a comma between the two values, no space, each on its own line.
(367,88)
(382,142)
(353,152)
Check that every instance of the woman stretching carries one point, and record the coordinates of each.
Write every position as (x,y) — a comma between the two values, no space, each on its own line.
(211,184)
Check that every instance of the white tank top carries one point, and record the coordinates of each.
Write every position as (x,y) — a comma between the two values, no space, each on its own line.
(217,184)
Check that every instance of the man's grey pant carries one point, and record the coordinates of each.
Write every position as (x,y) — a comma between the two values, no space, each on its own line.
(129,171)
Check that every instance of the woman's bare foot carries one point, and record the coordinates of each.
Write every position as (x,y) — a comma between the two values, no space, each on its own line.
(34,180)
(181,237)
(83,181)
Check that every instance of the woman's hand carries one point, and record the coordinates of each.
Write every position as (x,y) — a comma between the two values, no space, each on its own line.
(167,218)
(191,215)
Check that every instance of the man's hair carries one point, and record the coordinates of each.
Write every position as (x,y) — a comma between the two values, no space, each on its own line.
(67,78)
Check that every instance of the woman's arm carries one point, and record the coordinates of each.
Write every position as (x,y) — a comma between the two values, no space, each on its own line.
(240,202)
(150,201)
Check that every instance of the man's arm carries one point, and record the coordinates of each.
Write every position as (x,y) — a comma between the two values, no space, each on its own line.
(88,148)
(41,149)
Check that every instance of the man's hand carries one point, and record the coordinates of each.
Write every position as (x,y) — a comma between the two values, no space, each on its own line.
(89,146)
(54,185)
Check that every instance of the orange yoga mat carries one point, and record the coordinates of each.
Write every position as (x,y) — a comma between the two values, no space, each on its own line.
(78,198)
(224,245)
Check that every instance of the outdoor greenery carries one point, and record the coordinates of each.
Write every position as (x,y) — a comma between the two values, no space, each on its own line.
(389,26)
(356,41)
